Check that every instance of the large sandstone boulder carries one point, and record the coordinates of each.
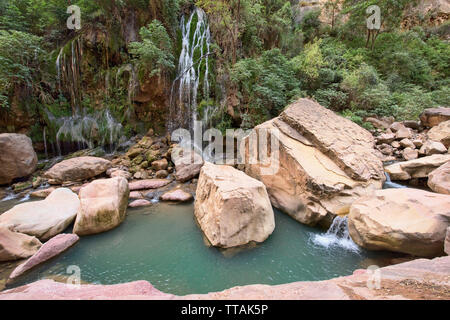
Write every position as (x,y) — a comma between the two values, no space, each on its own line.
(43,219)
(48,250)
(187,164)
(232,208)
(103,206)
(407,220)
(439,179)
(441,133)
(77,169)
(325,163)
(17,157)
(434,116)
(15,245)
(418,168)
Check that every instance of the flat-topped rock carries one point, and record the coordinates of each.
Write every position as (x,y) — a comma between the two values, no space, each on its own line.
(17,157)
(140,203)
(148,184)
(43,193)
(48,250)
(43,219)
(177,195)
(15,245)
(406,220)
(232,208)
(103,206)
(349,145)
(418,168)
(434,116)
(77,169)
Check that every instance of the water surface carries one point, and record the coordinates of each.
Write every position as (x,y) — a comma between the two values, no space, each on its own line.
(163,245)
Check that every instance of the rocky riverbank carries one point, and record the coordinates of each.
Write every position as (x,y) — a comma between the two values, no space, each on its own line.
(328,167)
(418,280)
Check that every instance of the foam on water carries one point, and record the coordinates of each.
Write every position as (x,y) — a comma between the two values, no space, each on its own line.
(337,235)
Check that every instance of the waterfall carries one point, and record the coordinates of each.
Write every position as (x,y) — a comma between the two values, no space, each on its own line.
(391,185)
(44,136)
(86,131)
(337,235)
(192,73)
(68,69)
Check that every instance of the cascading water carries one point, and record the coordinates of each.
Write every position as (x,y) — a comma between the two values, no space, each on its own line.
(391,185)
(337,235)
(193,72)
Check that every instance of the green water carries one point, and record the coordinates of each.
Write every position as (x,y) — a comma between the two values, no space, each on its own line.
(163,245)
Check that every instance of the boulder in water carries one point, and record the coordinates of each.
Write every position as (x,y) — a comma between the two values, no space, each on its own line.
(103,206)
(140,203)
(43,219)
(408,220)
(177,195)
(232,208)
(48,250)
(15,245)
(77,169)
(325,163)
(17,157)
(439,179)
(149,184)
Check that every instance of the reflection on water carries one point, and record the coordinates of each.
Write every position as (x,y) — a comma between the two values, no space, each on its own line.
(163,245)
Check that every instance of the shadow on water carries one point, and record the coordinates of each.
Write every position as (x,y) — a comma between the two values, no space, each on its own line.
(163,245)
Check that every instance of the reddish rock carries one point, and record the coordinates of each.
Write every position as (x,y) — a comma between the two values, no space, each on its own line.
(439,179)
(177,195)
(77,169)
(140,203)
(50,249)
(160,164)
(430,280)
(148,184)
(136,195)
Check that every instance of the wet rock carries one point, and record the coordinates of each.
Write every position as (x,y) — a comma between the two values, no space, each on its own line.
(43,219)
(160,165)
(15,245)
(44,193)
(47,251)
(140,203)
(162,174)
(439,179)
(149,184)
(434,116)
(177,195)
(419,168)
(408,220)
(103,206)
(17,157)
(232,208)
(78,169)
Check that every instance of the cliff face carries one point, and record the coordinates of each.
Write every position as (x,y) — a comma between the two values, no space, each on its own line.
(431,13)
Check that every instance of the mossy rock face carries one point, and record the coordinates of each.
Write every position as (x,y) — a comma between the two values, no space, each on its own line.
(146,142)
(152,155)
(144,165)
(134,152)
(138,160)
(18,187)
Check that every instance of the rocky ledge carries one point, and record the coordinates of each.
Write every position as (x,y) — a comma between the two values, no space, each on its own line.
(418,279)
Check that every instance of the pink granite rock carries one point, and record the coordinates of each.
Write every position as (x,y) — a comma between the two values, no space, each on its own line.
(148,184)
(177,195)
(50,249)
(140,203)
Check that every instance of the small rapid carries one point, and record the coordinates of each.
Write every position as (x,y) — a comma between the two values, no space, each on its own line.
(336,236)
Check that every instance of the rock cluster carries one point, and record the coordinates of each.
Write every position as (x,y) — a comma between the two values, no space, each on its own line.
(410,140)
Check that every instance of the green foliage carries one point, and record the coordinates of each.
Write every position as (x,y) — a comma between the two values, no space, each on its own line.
(154,54)
(266,85)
